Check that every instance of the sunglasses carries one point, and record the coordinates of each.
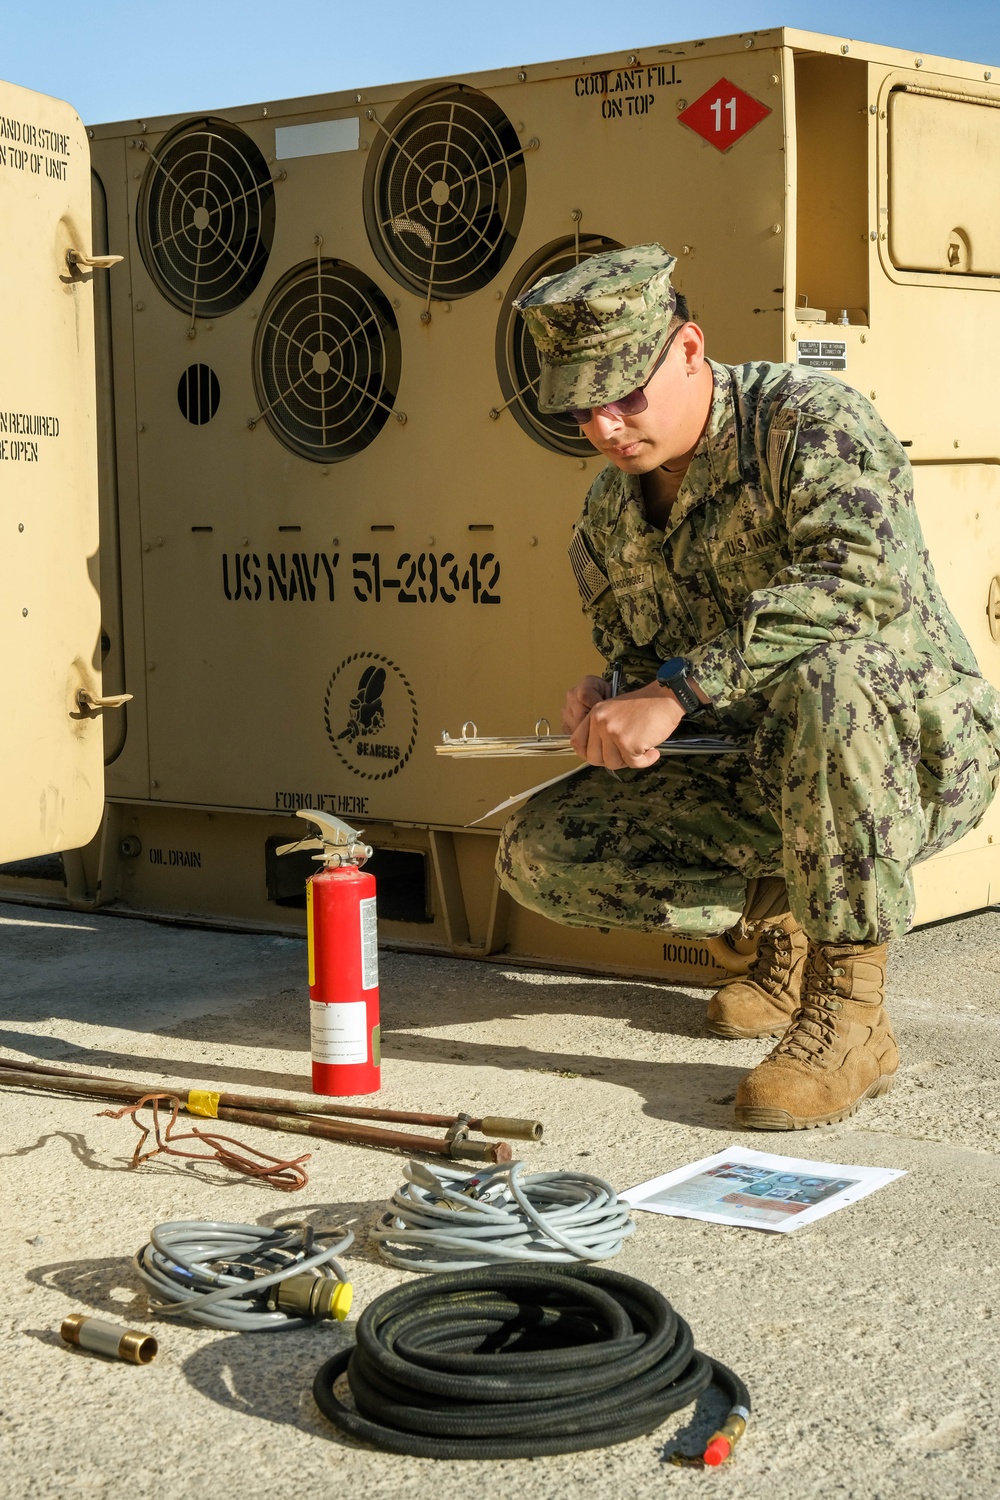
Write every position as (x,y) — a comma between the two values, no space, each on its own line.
(628,406)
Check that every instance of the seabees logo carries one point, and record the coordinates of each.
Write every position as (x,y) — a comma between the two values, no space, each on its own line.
(371,716)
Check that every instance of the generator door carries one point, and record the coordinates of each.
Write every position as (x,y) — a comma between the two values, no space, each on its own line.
(51,738)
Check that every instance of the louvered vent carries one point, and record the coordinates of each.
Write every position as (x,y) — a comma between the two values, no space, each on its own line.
(445,193)
(518,367)
(326,360)
(198,394)
(206,217)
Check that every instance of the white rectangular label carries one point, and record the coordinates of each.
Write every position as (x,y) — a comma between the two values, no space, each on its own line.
(369,944)
(339,1032)
(823,354)
(318,139)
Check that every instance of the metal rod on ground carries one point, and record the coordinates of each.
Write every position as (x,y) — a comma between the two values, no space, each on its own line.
(525,1130)
(334,1130)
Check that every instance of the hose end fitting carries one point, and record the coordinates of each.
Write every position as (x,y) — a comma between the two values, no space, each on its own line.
(102,1337)
(312,1296)
(717,1451)
(493,1151)
(721,1445)
(522,1130)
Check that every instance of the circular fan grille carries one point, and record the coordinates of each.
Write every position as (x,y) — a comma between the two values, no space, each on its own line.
(206,217)
(445,193)
(518,365)
(326,360)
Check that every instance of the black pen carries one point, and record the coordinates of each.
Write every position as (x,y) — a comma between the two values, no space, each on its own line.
(617,673)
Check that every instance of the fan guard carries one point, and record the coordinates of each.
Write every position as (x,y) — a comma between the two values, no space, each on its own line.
(326,360)
(444,193)
(206,217)
(518,367)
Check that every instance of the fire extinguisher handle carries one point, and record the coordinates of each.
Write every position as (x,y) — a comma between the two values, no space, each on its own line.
(341,843)
(337,843)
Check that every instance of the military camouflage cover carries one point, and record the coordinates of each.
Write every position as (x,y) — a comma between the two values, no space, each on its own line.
(794,576)
(599,326)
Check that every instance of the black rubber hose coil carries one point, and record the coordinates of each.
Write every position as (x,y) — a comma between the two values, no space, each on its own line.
(517,1362)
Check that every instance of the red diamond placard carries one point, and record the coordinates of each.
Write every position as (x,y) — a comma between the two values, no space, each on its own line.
(723,114)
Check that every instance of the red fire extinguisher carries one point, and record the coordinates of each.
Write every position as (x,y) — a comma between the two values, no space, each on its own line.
(343,961)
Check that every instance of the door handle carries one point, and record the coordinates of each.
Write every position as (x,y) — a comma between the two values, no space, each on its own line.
(92,262)
(92,704)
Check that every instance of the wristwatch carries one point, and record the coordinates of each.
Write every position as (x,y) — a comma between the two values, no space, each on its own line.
(675,674)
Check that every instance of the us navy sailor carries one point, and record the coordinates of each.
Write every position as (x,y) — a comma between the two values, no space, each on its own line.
(751,555)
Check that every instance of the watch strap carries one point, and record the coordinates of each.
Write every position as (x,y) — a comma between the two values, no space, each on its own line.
(674,674)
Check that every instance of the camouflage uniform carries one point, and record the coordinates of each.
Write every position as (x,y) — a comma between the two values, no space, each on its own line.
(794,577)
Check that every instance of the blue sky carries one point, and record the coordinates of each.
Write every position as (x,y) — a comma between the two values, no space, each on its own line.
(116,61)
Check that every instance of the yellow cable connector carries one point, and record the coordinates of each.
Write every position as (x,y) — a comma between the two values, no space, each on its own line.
(340,1303)
(203,1102)
(311,1296)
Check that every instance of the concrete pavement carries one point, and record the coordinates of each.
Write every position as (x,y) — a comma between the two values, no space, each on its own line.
(868,1341)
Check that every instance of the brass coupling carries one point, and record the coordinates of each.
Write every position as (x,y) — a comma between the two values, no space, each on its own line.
(461,1149)
(102,1337)
(721,1444)
(522,1130)
(308,1296)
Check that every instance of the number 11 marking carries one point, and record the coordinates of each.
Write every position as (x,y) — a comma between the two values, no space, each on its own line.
(717,107)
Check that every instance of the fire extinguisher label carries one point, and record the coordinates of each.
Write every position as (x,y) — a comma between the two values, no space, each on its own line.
(339,1031)
(369,944)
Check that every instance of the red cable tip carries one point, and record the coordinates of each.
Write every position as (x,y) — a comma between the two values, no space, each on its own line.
(717,1452)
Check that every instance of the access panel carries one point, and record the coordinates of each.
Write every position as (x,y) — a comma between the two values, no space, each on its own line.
(51,750)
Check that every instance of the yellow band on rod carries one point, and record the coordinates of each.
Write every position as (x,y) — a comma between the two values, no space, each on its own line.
(203,1102)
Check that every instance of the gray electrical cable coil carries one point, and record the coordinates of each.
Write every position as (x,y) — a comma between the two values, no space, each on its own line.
(443,1219)
(177,1266)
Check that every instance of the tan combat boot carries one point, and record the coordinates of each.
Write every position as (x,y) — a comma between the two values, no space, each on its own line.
(838,1051)
(763,1003)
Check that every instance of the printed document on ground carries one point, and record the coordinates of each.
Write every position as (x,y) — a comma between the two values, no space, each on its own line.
(756,1190)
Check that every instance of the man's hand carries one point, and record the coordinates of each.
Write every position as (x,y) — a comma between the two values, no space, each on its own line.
(624,732)
(581,699)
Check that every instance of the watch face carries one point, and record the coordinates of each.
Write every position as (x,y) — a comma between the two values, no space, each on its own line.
(675,667)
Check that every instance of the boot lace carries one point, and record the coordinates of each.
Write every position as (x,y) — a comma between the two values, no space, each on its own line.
(814,1023)
(773,964)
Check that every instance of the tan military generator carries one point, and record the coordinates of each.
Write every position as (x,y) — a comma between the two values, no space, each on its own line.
(334,523)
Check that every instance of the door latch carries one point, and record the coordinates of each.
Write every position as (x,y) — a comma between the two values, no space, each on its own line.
(92,262)
(92,704)
(993,607)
